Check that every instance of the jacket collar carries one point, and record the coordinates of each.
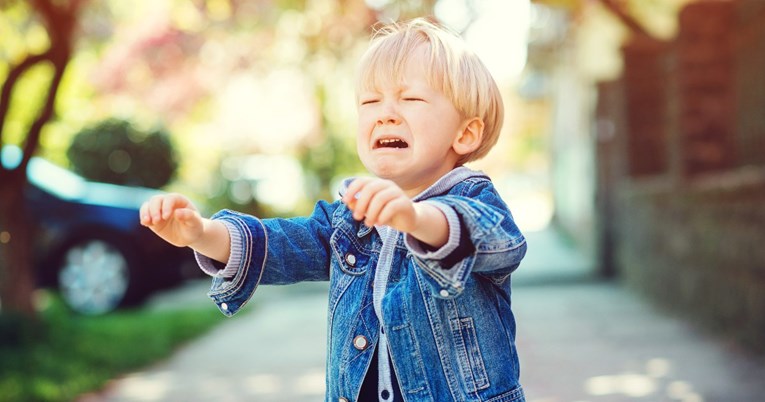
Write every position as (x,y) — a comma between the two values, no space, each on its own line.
(440,187)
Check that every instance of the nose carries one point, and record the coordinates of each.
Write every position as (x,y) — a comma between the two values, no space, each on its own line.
(388,115)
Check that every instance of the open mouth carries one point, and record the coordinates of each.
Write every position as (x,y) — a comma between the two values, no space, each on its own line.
(391,143)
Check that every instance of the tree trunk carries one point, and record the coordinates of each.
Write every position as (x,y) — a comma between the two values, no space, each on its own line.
(17,274)
(17,279)
(619,11)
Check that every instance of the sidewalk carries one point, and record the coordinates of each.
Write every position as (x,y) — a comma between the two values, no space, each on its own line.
(584,339)
(272,351)
(580,339)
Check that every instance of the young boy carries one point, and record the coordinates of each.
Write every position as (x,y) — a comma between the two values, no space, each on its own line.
(418,257)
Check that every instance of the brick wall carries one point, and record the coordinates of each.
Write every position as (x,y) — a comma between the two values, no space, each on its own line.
(682,217)
(646,62)
(749,81)
(705,69)
(699,249)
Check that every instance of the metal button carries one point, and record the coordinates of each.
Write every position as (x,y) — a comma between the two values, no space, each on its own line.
(224,306)
(444,293)
(350,259)
(342,400)
(360,342)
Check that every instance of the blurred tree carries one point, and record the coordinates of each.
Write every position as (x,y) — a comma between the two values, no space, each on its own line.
(171,59)
(58,21)
(180,62)
(133,157)
(641,17)
(332,157)
(619,9)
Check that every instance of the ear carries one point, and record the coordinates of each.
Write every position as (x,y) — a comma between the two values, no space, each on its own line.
(469,138)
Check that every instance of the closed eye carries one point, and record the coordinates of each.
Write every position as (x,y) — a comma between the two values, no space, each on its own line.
(369,101)
(413,99)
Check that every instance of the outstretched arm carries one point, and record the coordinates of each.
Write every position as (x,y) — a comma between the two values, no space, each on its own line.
(176,220)
(382,202)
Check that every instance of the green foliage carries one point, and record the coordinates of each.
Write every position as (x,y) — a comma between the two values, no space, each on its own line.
(113,151)
(28,99)
(223,200)
(334,157)
(20,36)
(64,355)
(21,32)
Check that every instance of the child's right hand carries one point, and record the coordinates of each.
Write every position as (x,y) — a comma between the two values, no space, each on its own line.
(173,218)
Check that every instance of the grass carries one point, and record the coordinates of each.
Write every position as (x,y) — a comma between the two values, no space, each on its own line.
(63,355)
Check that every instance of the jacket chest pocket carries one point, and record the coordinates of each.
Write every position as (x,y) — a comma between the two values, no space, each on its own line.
(349,255)
(349,263)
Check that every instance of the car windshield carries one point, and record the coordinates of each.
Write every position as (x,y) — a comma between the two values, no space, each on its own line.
(46,175)
(55,180)
(71,187)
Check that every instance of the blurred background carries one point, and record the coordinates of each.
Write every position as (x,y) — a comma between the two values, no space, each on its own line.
(633,149)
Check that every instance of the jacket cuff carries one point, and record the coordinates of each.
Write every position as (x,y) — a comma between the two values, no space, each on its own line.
(248,258)
(446,266)
(217,269)
(423,251)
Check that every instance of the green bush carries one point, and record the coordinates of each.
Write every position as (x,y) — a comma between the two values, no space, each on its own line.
(63,355)
(114,151)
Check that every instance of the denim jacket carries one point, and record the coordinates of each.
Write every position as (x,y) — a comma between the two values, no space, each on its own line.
(446,313)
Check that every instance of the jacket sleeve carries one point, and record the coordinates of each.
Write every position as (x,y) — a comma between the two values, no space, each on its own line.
(483,239)
(269,251)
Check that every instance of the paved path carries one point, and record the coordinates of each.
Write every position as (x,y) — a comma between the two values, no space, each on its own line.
(273,350)
(580,340)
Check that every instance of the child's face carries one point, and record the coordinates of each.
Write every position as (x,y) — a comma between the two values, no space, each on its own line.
(406,130)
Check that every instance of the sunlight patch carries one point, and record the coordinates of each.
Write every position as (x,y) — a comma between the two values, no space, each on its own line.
(263,384)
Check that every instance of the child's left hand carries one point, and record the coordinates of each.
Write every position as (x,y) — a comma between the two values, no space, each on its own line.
(381,202)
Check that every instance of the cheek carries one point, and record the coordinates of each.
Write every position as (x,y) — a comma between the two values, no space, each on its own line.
(362,132)
(364,126)
(362,138)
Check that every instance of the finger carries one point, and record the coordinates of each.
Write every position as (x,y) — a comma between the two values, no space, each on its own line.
(379,202)
(393,209)
(365,196)
(351,193)
(371,191)
(361,194)
(155,209)
(143,214)
(171,202)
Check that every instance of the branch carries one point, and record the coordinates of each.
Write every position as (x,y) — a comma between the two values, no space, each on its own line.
(617,8)
(12,79)
(60,21)
(33,136)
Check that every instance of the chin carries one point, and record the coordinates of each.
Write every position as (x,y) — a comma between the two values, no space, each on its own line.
(387,171)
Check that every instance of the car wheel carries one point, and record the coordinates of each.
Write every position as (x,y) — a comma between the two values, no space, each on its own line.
(95,276)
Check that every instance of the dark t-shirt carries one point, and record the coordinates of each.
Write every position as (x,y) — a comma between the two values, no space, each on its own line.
(369,387)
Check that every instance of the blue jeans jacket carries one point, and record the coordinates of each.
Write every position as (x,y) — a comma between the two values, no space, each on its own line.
(449,324)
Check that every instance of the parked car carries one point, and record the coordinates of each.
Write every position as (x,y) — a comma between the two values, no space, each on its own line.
(89,243)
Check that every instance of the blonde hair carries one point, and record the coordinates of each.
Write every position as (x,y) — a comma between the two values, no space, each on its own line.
(453,70)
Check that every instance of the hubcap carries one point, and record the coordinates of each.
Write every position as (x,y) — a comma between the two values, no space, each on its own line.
(94,277)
